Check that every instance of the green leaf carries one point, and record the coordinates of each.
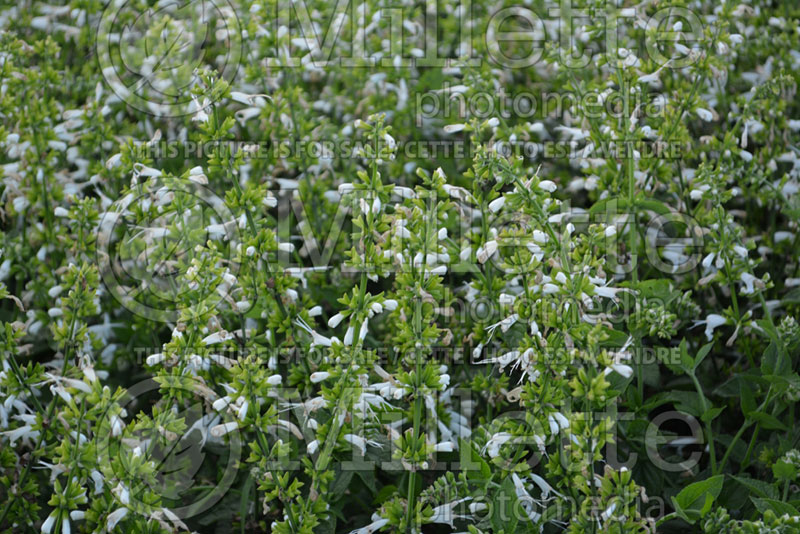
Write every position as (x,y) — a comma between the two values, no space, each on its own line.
(748,400)
(504,507)
(468,463)
(767,421)
(711,414)
(701,354)
(779,507)
(784,470)
(695,500)
(775,361)
(757,487)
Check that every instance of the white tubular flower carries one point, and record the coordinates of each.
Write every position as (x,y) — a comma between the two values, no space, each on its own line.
(712,321)
(221,403)
(441,270)
(360,443)
(319,376)
(457,193)
(704,114)
(216,337)
(610,510)
(316,311)
(275,380)
(334,321)
(544,486)
(492,447)
(454,128)
(445,513)
(348,336)
(312,447)
(748,280)
(373,527)
(525,499)
(115,517)
(497,204)
(404,192)
(402,232)
(553,424)
(47,526)
(562,421)
(445,446)
(317,339)
(547,185)
(626,371)
(390,304)
(487,251)
(224,428)
(270,201)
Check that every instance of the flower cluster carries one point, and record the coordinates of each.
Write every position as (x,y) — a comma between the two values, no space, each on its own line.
(289,268)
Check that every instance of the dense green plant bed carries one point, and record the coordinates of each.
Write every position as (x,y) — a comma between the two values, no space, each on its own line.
(399,267)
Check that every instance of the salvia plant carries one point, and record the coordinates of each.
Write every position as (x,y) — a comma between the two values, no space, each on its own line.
(460,266)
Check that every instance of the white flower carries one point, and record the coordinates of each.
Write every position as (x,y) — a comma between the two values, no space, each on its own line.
(372,527)
(444,513)
(319,376)
(539,237)
(453,128)
(224,428)
(487,251)
(317,339)
(445,446)
(740,251)
(216,337)
(704,114)
(497,204)
(492,447)
(712,321)
(47,526)
(360,443)
(544,486)
(348,336)
(115,517)
(334,321)
(748,280)
(623,370)
(547,185)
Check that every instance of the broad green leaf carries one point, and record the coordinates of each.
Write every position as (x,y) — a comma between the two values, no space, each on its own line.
(695,500)
(757,487)
(767,421)
(779,507)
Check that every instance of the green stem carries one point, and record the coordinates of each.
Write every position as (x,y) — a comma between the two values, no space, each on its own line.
(709,431)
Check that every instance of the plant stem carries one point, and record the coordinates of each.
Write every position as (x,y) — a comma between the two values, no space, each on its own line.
(709,431)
